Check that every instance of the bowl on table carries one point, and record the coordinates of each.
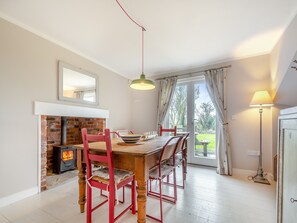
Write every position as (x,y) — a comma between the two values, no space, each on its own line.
(130,138)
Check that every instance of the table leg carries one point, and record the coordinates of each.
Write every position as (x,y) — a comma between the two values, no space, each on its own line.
(81,181)
(185,163)
(141,201)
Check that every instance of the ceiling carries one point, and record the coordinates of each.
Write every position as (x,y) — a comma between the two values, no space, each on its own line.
(181,35)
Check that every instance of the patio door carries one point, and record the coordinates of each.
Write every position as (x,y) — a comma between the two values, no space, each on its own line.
(192,111)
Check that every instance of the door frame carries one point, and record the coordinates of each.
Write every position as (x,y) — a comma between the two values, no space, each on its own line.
(205,161)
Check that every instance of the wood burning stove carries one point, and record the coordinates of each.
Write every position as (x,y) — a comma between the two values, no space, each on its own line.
(64,158)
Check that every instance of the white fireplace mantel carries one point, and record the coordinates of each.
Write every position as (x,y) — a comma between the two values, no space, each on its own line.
(55,109)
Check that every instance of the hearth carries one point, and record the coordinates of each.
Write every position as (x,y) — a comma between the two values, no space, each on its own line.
(64,158)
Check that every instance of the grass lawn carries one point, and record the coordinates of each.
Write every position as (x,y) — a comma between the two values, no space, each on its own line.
(210,147)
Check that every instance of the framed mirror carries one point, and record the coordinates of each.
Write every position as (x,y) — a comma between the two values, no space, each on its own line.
(77,85)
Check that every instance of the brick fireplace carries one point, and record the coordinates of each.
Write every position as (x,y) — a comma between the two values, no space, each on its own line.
(52,135)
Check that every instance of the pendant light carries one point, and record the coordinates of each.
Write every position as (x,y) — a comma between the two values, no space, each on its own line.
(142,83)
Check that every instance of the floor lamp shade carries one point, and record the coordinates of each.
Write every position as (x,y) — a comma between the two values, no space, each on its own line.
(260,99)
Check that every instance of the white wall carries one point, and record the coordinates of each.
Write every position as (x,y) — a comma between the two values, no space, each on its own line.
(29,72)
(244,78)
(144,113)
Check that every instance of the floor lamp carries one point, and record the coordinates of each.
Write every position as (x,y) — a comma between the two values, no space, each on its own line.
(261,99)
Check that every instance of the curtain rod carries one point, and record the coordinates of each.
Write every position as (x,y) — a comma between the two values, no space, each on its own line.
(194,72)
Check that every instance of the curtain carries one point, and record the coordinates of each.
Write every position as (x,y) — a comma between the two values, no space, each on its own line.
(216,86)
(166,90)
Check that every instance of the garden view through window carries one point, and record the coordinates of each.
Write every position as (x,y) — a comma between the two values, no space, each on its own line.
(192,110)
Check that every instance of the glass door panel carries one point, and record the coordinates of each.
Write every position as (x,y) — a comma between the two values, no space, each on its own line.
(204,127)
(191,110)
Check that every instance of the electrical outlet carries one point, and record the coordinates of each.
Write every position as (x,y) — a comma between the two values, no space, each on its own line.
(253,152)
(234,117)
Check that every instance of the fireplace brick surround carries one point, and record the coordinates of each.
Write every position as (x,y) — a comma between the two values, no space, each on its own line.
(51,131)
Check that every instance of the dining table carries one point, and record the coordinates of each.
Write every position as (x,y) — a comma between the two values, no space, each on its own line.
(137,157)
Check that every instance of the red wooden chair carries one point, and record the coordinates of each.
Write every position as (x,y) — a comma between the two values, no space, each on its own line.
(105,178)
(181,159)
(165,167)
(162,130)
(181,155)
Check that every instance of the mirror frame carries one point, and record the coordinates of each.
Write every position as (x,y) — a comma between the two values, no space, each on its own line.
(83,72)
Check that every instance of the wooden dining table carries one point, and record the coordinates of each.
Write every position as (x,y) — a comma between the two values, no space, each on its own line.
(138,158)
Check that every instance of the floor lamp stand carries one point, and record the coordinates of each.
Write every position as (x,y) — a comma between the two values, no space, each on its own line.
(259,177)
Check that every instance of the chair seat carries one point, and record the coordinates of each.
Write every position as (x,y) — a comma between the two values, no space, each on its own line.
(102,175)
(165,170)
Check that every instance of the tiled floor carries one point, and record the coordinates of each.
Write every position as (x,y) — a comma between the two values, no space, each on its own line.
(208,197)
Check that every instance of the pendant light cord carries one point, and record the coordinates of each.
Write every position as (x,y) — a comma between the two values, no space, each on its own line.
(130,16)
(142,30)
(142,62)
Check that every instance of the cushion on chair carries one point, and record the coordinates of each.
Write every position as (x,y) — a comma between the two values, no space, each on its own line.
(102,175)
(178,160)
(165,171)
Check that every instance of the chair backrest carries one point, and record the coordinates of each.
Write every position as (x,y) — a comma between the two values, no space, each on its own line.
(102,158)
(162,130)
(183,142)
(169,149)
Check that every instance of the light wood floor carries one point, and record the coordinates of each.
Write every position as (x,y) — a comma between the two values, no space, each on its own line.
(208,197)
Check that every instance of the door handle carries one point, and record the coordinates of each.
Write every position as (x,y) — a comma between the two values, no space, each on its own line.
(293,200)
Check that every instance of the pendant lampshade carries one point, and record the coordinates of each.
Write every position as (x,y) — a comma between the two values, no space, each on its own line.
(142,83)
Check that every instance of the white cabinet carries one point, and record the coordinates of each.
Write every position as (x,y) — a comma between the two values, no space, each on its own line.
(287,167)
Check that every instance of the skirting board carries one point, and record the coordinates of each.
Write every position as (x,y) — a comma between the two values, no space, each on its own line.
(18,196)
(251,173)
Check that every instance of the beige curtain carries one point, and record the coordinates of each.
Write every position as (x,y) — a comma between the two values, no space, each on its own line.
(216,86)
(166,90)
